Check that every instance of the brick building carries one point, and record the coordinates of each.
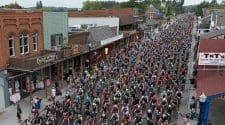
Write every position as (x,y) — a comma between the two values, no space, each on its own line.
(20,35)
(210,77)
(20,38)
(103,13)
(125,15)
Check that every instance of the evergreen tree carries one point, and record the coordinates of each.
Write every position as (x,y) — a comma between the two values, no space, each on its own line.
(214,2)
(39,5)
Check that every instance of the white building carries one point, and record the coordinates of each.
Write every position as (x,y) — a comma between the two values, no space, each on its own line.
(78,23)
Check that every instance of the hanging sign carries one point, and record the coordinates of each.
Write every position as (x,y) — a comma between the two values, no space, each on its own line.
(46,59)
(211,59)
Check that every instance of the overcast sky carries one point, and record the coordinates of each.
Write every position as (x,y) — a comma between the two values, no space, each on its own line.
(70,3)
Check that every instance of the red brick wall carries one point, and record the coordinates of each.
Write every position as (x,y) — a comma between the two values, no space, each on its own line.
(17,22)
(102,13)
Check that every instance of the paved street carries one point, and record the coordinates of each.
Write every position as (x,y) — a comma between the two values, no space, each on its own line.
(145,79)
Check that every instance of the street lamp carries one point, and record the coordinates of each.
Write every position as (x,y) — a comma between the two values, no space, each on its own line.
(202,100)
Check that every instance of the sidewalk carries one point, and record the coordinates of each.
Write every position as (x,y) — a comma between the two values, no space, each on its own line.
(189,89)
(8,117)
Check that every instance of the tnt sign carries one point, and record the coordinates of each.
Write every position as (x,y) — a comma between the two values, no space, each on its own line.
(211,59)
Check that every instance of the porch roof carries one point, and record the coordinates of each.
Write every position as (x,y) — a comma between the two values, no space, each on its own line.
(210,82)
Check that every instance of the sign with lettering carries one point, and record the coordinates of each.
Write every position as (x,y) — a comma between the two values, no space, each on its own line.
(46,59)
(211,59)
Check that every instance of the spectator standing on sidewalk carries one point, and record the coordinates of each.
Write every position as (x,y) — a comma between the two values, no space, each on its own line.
(19,112)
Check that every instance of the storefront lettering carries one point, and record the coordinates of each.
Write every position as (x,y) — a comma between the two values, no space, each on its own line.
(211,59)
(214,55)
(46,59)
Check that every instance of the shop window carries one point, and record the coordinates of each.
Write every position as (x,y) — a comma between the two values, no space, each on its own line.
(56,40)
(11,46)
(35,41)
(24,44)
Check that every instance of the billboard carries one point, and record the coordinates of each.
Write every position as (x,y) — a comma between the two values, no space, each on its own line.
(211,59)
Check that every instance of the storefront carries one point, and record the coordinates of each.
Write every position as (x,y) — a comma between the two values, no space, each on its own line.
(77,64)
(107,50)
(31,74)
(20,86)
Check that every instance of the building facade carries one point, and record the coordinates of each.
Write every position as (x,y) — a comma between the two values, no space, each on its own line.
(126,16)
(88,22)
(55,30)
(20,37)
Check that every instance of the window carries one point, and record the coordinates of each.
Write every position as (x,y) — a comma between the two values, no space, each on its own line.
(56,40)
(24,44)
(11,46)
(35,41)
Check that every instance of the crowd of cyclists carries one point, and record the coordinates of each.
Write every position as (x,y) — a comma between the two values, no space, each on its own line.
(140,84)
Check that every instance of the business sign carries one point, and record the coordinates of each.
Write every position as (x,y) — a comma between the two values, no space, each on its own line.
(46,59)
(211,59)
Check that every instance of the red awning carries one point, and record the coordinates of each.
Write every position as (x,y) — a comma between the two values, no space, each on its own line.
(210,82)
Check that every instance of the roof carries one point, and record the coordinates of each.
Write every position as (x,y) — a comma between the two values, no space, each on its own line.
(210,82)
(126,20)
(206,18)
(204,26)
(126,15)
(77,38)
(151,8)
(99,33)
(212,45)
(102,13)
(205,22)
(213,34)
(220,19)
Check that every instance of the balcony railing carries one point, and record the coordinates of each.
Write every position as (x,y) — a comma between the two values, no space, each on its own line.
(64,53)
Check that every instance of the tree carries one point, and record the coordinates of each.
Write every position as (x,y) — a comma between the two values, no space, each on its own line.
(168,7)
(156,3)
(39,5)
(198,9)
(214,2)
(108,4)
(13,6)
(91,5)
(177,6)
